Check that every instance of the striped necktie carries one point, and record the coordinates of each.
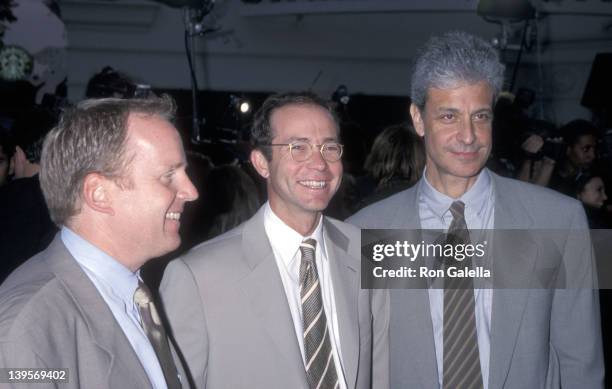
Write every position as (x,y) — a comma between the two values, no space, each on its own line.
(320,367)
(154,329)
(461,363)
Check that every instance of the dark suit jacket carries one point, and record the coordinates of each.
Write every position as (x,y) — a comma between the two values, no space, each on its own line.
(540,338)
(25,225)
(52,316)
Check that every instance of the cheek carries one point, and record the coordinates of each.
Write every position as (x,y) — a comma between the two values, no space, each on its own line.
(436,141)
(484,133)
(337,170)
(591,196)
(281,178)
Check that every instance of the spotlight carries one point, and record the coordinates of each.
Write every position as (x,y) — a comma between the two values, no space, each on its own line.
(240,104)
(245,107)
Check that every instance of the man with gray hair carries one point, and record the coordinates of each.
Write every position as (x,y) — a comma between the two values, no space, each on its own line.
(464,335)
(113,177)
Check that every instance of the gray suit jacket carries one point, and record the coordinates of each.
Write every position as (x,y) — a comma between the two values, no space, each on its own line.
(227,307)
(52,316)
(545,338)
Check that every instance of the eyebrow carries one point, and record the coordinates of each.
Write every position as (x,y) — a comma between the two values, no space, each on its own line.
(175,166)
(449,109)
(481,110)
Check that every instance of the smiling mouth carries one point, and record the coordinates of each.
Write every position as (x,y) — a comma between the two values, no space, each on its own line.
(312,184)
(173,215)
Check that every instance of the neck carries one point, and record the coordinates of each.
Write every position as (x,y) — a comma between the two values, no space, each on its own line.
(98,236)
(304,226)
(453,187)
(304,222)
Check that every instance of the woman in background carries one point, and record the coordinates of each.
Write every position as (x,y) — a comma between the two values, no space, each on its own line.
(395,162)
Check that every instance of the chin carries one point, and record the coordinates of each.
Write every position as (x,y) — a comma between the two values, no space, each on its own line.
(318,205)
(465,173)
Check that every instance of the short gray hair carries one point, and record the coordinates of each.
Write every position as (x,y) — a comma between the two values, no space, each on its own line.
(453,58)
(90,138)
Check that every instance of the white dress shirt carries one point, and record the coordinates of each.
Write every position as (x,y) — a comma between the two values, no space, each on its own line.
(117,284)
(479,215)
(285,243)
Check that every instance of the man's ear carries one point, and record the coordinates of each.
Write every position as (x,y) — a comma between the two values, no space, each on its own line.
(260,163)
(417,120)
(97,193)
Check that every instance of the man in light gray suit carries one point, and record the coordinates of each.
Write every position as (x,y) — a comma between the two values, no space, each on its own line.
(276,302)
(113,176)
(509,338)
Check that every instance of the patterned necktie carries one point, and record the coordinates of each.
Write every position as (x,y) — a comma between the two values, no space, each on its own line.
(461,363)
(153,327)
(320,366)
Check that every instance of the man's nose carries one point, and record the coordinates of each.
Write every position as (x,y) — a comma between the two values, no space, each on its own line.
(188,191)
(467,132)
(316,160)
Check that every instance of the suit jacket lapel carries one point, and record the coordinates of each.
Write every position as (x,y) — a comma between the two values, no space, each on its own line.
(104,329)
(411,312)
(514,255)
(408,218)
(345,278)
(264,288)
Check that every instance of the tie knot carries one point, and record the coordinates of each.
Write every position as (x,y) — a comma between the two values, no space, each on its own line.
(457,209)
(307,248)
(142,295)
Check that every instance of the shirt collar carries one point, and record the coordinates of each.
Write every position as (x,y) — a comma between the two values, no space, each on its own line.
(289,240)
(475,199)
(118,278)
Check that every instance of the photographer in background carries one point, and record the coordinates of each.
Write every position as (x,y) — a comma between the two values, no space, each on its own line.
(558,161)
(523,148)
(541,149)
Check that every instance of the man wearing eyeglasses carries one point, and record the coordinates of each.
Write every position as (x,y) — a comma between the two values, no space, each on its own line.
(276,302)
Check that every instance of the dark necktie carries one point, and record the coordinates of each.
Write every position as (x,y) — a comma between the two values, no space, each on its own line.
(320,366)
(153,327)
(461,363)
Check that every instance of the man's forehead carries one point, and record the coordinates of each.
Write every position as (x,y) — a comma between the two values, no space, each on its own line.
(460,90)
(151,134)
(292,110)
(299,116)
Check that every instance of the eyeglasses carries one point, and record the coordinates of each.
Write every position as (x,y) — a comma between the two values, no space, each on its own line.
(302,151)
